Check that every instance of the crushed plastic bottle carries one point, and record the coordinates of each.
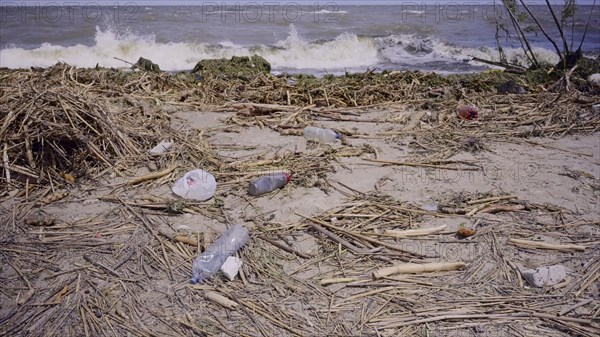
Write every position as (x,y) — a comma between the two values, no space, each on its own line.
(197,184)
(322,135)
(209,262)
(268,183)
(467,112)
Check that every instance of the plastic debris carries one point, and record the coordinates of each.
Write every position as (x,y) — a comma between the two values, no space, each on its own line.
(197,185)
(322,135)
(161,148)
(231,267)
(545,276)
(467,112)
(214,256)
(268,183)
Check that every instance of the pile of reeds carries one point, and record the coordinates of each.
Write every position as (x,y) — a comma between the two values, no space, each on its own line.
(64,120)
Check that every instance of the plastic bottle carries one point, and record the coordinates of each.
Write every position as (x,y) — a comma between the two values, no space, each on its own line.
(467,112)
(209,262)
(196,184)
(323,135)
(268,183)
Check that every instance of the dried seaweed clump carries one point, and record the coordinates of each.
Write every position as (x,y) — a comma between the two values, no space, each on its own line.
(56,124)
(243,67)
(147,65)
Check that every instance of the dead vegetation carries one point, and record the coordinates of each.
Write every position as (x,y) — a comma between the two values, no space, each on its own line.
(66,132)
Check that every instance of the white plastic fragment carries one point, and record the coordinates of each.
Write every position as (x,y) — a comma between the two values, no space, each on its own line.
(300,146)
(545,276)
(197,185)
(231,267)
(161,148)
(594,79)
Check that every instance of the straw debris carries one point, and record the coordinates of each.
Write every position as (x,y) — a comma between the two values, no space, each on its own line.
(94,244)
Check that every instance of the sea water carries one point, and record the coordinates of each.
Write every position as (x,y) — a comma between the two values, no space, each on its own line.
(308,37)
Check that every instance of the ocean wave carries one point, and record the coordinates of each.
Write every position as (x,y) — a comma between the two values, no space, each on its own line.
(345,51)
(295,52)
(407,49)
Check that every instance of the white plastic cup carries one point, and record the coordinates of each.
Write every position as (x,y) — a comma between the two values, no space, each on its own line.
(197,185)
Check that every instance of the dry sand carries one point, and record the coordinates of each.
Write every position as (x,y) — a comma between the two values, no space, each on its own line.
(280,294)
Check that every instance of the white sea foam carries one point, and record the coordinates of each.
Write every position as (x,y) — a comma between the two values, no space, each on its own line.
(347,50)
(411,49)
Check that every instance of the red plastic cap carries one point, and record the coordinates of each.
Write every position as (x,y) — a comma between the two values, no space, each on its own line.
(288,177)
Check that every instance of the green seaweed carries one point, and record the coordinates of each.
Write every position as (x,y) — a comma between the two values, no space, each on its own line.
(147,65)
(242,67)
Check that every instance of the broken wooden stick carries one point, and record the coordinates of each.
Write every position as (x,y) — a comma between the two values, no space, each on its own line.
(411,268)
(151,176)
(502,197)
(327,281)
(331,235)
(178,238)
(575,306)
(545,245)
(284,247)
(413,232)
(453,210)
(509,68)
(258,108)
(101,266)
(502,208)
(116,58)
(481,209)
(336,238)
(220,299)
(186,239)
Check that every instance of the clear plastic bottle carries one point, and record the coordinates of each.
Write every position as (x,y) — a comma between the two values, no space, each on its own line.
(209,262)
(323,135)
(268,183)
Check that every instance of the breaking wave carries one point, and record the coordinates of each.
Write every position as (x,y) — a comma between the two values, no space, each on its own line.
(345,52)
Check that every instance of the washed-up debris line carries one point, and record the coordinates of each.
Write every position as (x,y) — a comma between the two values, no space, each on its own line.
(69,120)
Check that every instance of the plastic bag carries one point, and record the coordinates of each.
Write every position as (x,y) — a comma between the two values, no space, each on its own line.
(197,185)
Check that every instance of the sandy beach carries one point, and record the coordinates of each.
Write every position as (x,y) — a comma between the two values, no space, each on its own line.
(90,250)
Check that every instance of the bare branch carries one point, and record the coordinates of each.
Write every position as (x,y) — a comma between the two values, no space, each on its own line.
(522,37)
(562,33)
(542,29)
(587,25)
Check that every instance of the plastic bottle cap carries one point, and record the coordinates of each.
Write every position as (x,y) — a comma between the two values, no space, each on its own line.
(288,177)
